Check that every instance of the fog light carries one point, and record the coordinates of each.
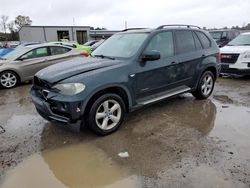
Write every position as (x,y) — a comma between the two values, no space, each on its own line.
(78,109)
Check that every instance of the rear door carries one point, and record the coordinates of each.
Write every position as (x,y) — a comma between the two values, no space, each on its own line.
(155,76)
(60,54)
(189,53)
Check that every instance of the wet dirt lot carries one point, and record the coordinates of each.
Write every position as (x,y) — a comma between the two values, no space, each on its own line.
(181,142)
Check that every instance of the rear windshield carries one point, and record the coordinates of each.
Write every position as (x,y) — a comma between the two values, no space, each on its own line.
(216,34)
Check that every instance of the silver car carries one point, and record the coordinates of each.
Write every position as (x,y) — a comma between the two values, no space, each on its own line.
(21,64)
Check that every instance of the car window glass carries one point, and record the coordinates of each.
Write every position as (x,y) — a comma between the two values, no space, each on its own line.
(36,53)
(224,35)
(184,42)
(206,43)
(58,50)
(163,43)
(197,42)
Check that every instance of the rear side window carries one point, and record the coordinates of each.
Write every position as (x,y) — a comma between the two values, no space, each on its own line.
(184,42)
(163,43)
(58,50)
(197,42)
(206,43)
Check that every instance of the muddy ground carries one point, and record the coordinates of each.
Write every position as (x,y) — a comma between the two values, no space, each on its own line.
(181,142)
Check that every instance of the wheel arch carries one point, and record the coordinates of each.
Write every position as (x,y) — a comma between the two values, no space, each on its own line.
(122,91)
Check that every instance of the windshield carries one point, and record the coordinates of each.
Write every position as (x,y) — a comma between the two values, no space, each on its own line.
(216,34)
(121,45)
(15,53)
(241,40)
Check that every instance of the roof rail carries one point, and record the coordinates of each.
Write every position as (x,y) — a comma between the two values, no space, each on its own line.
(180,25)
(133,29)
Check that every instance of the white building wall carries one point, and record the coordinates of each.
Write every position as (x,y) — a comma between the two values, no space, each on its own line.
(48,33)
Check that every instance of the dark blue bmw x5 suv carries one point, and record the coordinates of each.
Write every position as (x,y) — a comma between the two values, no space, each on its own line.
(133,68)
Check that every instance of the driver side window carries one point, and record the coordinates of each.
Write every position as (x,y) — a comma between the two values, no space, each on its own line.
(163,43)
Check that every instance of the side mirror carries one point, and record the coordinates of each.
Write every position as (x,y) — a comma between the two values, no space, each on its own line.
(151,56)
(22,58)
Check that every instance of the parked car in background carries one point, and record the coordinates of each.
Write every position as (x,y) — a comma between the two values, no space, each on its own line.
(235,57)
(74,44)
(4,51)
(97,44)
(12,44)
(90,43)
(224,36)
(24,44)
(21,64)
(129,70)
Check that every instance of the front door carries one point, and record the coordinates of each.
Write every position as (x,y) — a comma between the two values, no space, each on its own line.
(34,61)
(159,75)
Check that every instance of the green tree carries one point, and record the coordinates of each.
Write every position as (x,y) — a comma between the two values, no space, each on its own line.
(21,21)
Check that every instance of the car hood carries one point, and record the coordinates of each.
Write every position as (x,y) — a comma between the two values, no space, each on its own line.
(79,65)
(235,49)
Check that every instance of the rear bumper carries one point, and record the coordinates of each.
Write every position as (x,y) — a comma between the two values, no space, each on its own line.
(226,70)
(71,118)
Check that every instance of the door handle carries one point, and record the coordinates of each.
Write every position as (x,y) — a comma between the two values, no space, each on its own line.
(173,62)
(203,55)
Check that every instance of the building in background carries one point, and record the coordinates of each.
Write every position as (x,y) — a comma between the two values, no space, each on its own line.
(81,34)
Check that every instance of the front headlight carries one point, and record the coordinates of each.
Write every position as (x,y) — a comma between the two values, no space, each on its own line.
(69,88)
(246,55)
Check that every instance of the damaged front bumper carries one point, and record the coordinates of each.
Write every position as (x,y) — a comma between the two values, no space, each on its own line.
(58,111)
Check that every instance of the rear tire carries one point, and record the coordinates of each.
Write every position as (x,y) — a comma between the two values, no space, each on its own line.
(106,114)
(205,86)
(8,79)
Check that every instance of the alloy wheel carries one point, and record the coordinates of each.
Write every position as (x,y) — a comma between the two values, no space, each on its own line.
(108,114)
(207,85)
(8,80)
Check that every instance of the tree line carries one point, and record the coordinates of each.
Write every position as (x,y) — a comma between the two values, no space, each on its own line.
(10,28)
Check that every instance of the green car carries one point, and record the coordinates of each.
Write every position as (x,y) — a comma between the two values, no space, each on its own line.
(74,44)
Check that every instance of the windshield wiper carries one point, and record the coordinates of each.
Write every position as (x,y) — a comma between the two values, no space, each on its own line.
(245,44)
(230,45)
(104,56)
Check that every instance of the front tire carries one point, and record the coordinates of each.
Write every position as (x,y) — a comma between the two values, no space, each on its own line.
(205,86)
(106,114)
(8,79)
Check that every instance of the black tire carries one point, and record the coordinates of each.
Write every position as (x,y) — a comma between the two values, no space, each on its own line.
(199,92)
(98,106)
(13,82)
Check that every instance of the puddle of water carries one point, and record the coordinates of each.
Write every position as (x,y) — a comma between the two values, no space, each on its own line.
(233,126)
(81,165)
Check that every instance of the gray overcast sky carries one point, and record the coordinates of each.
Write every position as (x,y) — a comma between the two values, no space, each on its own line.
(138,13)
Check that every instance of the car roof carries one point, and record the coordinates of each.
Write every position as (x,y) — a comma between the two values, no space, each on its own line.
(220,30)
(246,33)
(150,30)
(44,45)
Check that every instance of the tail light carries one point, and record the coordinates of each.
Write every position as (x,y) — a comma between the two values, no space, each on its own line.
(219,57)
(85,54)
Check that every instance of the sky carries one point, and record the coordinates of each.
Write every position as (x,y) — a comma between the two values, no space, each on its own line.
(112,14)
